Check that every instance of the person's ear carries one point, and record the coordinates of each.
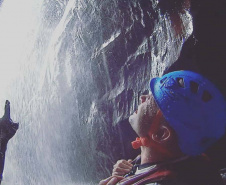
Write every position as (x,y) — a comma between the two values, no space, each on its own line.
(161,135)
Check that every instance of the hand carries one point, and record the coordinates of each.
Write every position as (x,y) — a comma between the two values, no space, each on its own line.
(122,167)
(111,180)
(7,127)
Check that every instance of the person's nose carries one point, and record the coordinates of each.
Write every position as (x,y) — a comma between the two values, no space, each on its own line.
(143,98)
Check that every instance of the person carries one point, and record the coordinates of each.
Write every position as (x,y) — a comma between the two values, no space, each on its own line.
(8,129)
(183,117)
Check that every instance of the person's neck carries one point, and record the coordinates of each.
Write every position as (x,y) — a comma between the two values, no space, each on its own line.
(149,155)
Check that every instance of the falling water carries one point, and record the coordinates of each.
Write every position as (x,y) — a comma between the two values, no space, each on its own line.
(30,79)
(73,71)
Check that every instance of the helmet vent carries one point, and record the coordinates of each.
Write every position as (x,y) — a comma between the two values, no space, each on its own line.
(206,96)
(194,87)
(164,79)
(180,82)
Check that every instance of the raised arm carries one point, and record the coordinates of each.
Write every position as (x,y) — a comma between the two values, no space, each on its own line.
(7,130)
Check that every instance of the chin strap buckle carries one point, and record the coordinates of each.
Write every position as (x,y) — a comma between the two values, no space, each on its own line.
(140,141)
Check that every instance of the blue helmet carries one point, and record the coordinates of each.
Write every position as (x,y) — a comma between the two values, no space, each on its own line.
(194,108)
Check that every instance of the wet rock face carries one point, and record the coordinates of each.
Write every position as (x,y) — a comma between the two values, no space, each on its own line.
(115,47)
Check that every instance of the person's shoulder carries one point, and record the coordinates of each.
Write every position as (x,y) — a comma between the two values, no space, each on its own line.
(198,170)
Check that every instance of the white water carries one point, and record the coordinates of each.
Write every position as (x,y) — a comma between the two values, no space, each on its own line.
(38,88)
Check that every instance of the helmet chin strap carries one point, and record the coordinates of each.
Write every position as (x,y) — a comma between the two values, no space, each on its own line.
(146,142)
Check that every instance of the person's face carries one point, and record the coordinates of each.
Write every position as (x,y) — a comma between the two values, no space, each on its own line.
(143,117)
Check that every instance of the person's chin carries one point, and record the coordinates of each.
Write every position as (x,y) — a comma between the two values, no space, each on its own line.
(131,119)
